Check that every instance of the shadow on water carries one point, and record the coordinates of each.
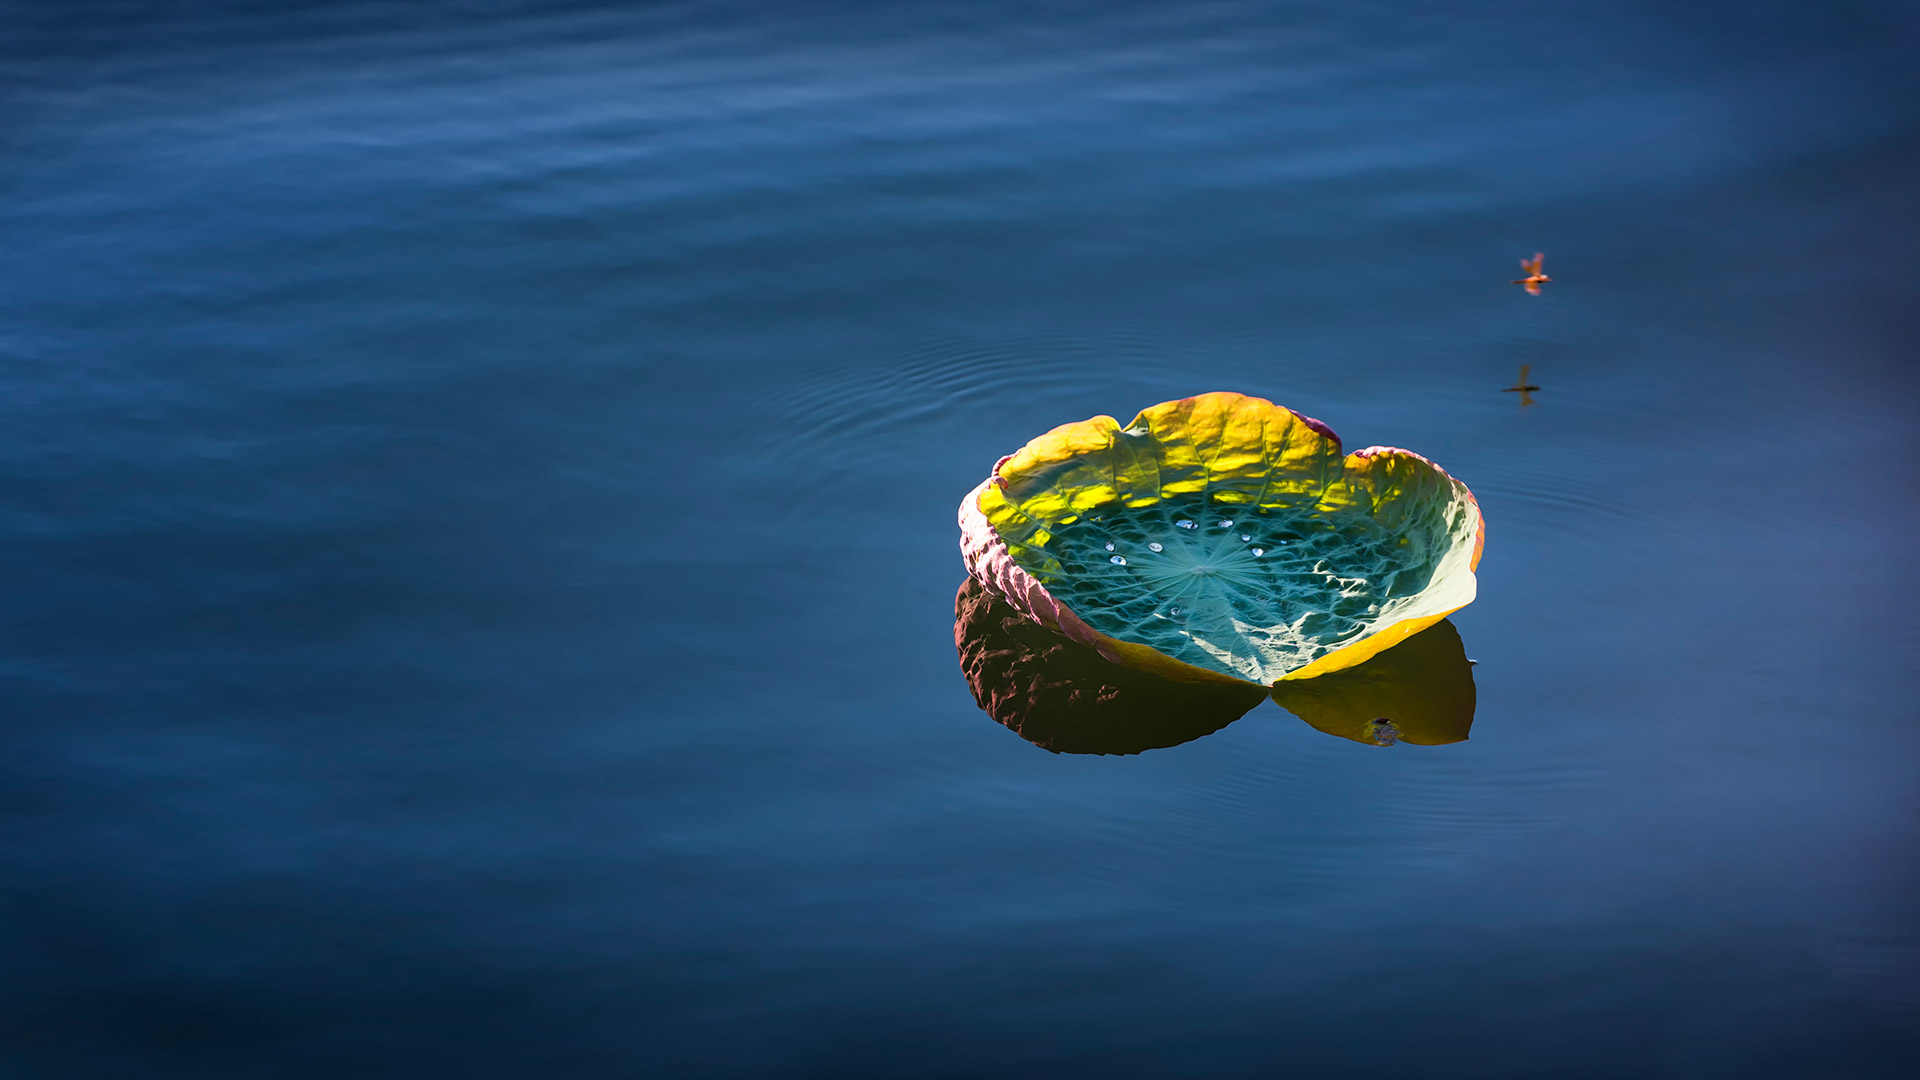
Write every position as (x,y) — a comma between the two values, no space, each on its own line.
(1064,697)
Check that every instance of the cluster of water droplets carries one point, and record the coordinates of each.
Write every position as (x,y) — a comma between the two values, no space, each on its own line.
(1265,590)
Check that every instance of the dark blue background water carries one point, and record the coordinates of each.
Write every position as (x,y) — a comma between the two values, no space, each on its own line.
(478,488)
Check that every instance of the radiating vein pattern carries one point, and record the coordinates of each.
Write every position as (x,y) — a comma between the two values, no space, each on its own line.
(1263,591)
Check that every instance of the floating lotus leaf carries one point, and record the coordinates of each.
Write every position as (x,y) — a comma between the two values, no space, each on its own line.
(1223,537)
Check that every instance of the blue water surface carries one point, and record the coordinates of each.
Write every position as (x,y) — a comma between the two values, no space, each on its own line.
(477,490)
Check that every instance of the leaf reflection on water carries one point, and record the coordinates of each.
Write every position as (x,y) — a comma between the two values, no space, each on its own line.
(1064,697)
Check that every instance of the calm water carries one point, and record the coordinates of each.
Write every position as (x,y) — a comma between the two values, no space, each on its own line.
(478,488)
